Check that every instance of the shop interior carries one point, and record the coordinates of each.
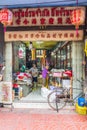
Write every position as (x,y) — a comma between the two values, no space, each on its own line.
(57,54)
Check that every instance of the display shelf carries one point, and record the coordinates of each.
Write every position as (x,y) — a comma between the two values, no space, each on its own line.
(65,57)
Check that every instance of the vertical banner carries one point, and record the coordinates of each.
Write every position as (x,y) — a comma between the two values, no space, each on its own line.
(85,47)
(33,53)
(5,92)
(44,57)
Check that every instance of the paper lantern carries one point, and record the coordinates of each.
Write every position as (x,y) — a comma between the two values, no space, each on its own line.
(78,17)
(6,17)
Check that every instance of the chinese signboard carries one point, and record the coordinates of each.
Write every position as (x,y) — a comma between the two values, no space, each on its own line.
(43,35)
(42,16)
(5,92)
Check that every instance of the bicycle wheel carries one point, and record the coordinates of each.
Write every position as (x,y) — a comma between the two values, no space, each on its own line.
(54,102)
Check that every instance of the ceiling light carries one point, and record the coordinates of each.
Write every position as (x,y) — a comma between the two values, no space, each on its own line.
(39,42)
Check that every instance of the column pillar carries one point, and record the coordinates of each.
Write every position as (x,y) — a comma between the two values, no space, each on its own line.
(8,62)
(77,67)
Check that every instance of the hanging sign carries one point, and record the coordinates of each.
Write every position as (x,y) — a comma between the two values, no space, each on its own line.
(85,47)
(20,53)
(33,53)
(42,16)
(44,35)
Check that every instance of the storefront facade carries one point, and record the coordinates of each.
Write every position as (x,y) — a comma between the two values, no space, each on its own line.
(45,24)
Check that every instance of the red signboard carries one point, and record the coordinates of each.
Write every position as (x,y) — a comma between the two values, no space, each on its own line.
(43,16)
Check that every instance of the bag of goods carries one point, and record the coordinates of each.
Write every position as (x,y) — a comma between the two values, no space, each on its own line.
(45,92)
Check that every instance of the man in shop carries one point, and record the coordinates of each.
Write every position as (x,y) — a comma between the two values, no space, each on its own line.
(34,72)
(45,73)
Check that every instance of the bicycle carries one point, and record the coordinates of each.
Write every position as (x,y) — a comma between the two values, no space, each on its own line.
(58,98)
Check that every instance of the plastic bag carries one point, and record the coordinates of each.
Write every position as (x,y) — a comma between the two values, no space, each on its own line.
(45,92)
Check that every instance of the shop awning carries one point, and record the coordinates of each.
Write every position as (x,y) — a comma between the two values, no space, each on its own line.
(40,3)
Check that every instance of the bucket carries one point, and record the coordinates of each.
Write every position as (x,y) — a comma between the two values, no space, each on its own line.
(81,101)
(81,110)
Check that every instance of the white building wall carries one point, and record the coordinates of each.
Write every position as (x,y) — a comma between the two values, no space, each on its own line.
(8,64)
(77,67)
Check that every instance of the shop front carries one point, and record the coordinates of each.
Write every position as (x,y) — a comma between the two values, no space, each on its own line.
(53,37)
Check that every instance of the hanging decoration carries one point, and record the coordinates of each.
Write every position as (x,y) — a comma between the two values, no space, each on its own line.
(33,53)
(6,17)
(77,18)
(44,57)
(20,52)
(30,45)
(44,53)
(85,47)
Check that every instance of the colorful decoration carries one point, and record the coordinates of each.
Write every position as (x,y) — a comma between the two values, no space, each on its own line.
(6,17)
(33,53)
(20,52)
(77,17)
(44,53)
(68,73)
(85,47)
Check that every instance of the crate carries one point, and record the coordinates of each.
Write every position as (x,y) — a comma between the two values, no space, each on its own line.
(81,110)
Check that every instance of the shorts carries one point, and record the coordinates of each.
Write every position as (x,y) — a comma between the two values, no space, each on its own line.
(16,91)
(34,79)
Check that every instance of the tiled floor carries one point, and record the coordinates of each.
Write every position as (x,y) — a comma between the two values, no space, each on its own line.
(31,119)
(34,100)
(40,119)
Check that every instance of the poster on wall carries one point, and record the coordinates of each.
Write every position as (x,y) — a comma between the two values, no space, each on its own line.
(5,92)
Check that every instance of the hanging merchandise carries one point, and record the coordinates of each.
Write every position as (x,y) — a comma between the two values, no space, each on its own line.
(20,52)
(68,73)
(85,47)
(6,17)
(78,18)
(44,56)
(30,45)
(44,53)
(33,53)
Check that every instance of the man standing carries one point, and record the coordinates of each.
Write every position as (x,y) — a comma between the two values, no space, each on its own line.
(34,72)
(45,73)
